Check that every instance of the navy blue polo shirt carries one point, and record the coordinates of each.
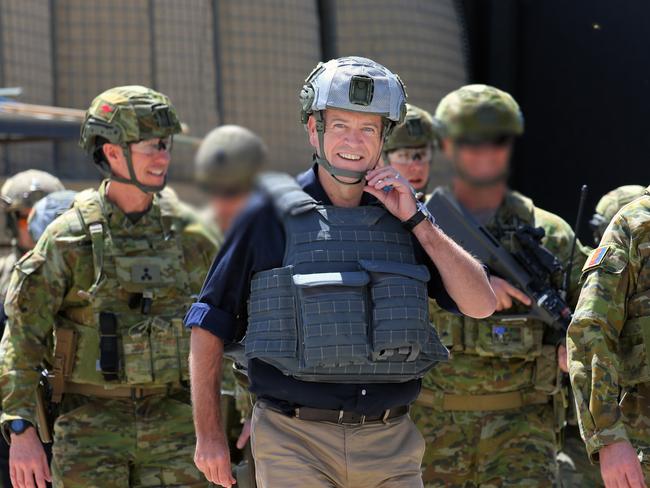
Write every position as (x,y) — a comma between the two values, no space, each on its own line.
(256,243)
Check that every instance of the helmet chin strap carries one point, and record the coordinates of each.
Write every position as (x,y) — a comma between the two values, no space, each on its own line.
(132,179)
(325,164)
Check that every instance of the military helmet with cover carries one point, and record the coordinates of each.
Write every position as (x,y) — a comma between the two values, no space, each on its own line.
(125,115)
(479,113)
(418,129)
(609,205)
(229,159)
(22,191)
(356,84)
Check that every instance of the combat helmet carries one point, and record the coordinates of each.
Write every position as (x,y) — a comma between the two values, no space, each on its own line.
(229,159)
(609,205)
(356,84)
(417,130)
(479,113)
(125,115)
(22,191)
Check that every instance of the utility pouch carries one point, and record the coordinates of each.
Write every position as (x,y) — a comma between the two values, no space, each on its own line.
(109,361)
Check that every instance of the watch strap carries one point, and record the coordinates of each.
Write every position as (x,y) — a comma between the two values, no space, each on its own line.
(418,217)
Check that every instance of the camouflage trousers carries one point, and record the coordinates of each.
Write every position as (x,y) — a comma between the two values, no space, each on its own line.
(121,443)
(488,449)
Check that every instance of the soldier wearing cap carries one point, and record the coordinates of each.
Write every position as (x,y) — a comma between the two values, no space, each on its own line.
(490,415)
(110,280)
(328,276)
(411,146)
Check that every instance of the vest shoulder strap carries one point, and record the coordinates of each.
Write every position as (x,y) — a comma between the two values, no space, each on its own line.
(88,206)
(286,194)
(172,212)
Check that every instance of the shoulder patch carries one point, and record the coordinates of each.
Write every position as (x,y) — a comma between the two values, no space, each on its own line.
(596,257)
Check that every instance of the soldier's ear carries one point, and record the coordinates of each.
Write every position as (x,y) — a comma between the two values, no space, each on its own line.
(311,130)
(112,152)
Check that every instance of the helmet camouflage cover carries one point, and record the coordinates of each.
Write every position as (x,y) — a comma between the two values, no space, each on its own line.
(24,189)
(229,159)
(128,114)
(417,130)
(479,112)
(609,205)
(356,84)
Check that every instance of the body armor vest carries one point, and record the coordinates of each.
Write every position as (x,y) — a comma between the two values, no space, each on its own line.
(349,304)
(128,325)
(512,334)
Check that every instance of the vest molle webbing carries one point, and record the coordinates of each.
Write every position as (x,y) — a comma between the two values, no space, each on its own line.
(349,303)
(128,330)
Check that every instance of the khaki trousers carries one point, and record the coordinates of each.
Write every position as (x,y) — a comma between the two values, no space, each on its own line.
(293,453)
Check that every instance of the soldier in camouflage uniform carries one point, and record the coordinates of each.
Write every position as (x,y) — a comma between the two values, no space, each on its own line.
(110,279)
(490,415)
(17,196)
(609,205)
(226,167)
(608,346)
(411,146)
(575,468)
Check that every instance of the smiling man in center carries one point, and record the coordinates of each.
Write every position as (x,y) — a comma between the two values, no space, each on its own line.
(327,276)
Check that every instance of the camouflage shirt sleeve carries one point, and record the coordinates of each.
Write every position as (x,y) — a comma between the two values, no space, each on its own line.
(593,337)
(36,290)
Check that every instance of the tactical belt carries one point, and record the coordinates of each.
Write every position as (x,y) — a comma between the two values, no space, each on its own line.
(133,393)
(479,403)
(346,418)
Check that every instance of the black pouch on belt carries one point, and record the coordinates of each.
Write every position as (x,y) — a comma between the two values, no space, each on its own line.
(109,360)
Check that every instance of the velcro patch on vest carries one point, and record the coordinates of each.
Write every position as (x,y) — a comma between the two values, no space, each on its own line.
(596,258)
(145,273)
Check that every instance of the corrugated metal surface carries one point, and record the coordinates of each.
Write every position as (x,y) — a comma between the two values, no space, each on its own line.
(267,48)
(230,61)
(27,62)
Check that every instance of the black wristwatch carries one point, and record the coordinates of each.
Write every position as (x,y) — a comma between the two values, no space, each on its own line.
(421,214)
(18,426)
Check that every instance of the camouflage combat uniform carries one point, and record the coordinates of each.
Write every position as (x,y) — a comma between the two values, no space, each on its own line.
(576,470)
(111,290)
(7,264)
(608,339)
(154,433)
(502,359)
(18,195)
